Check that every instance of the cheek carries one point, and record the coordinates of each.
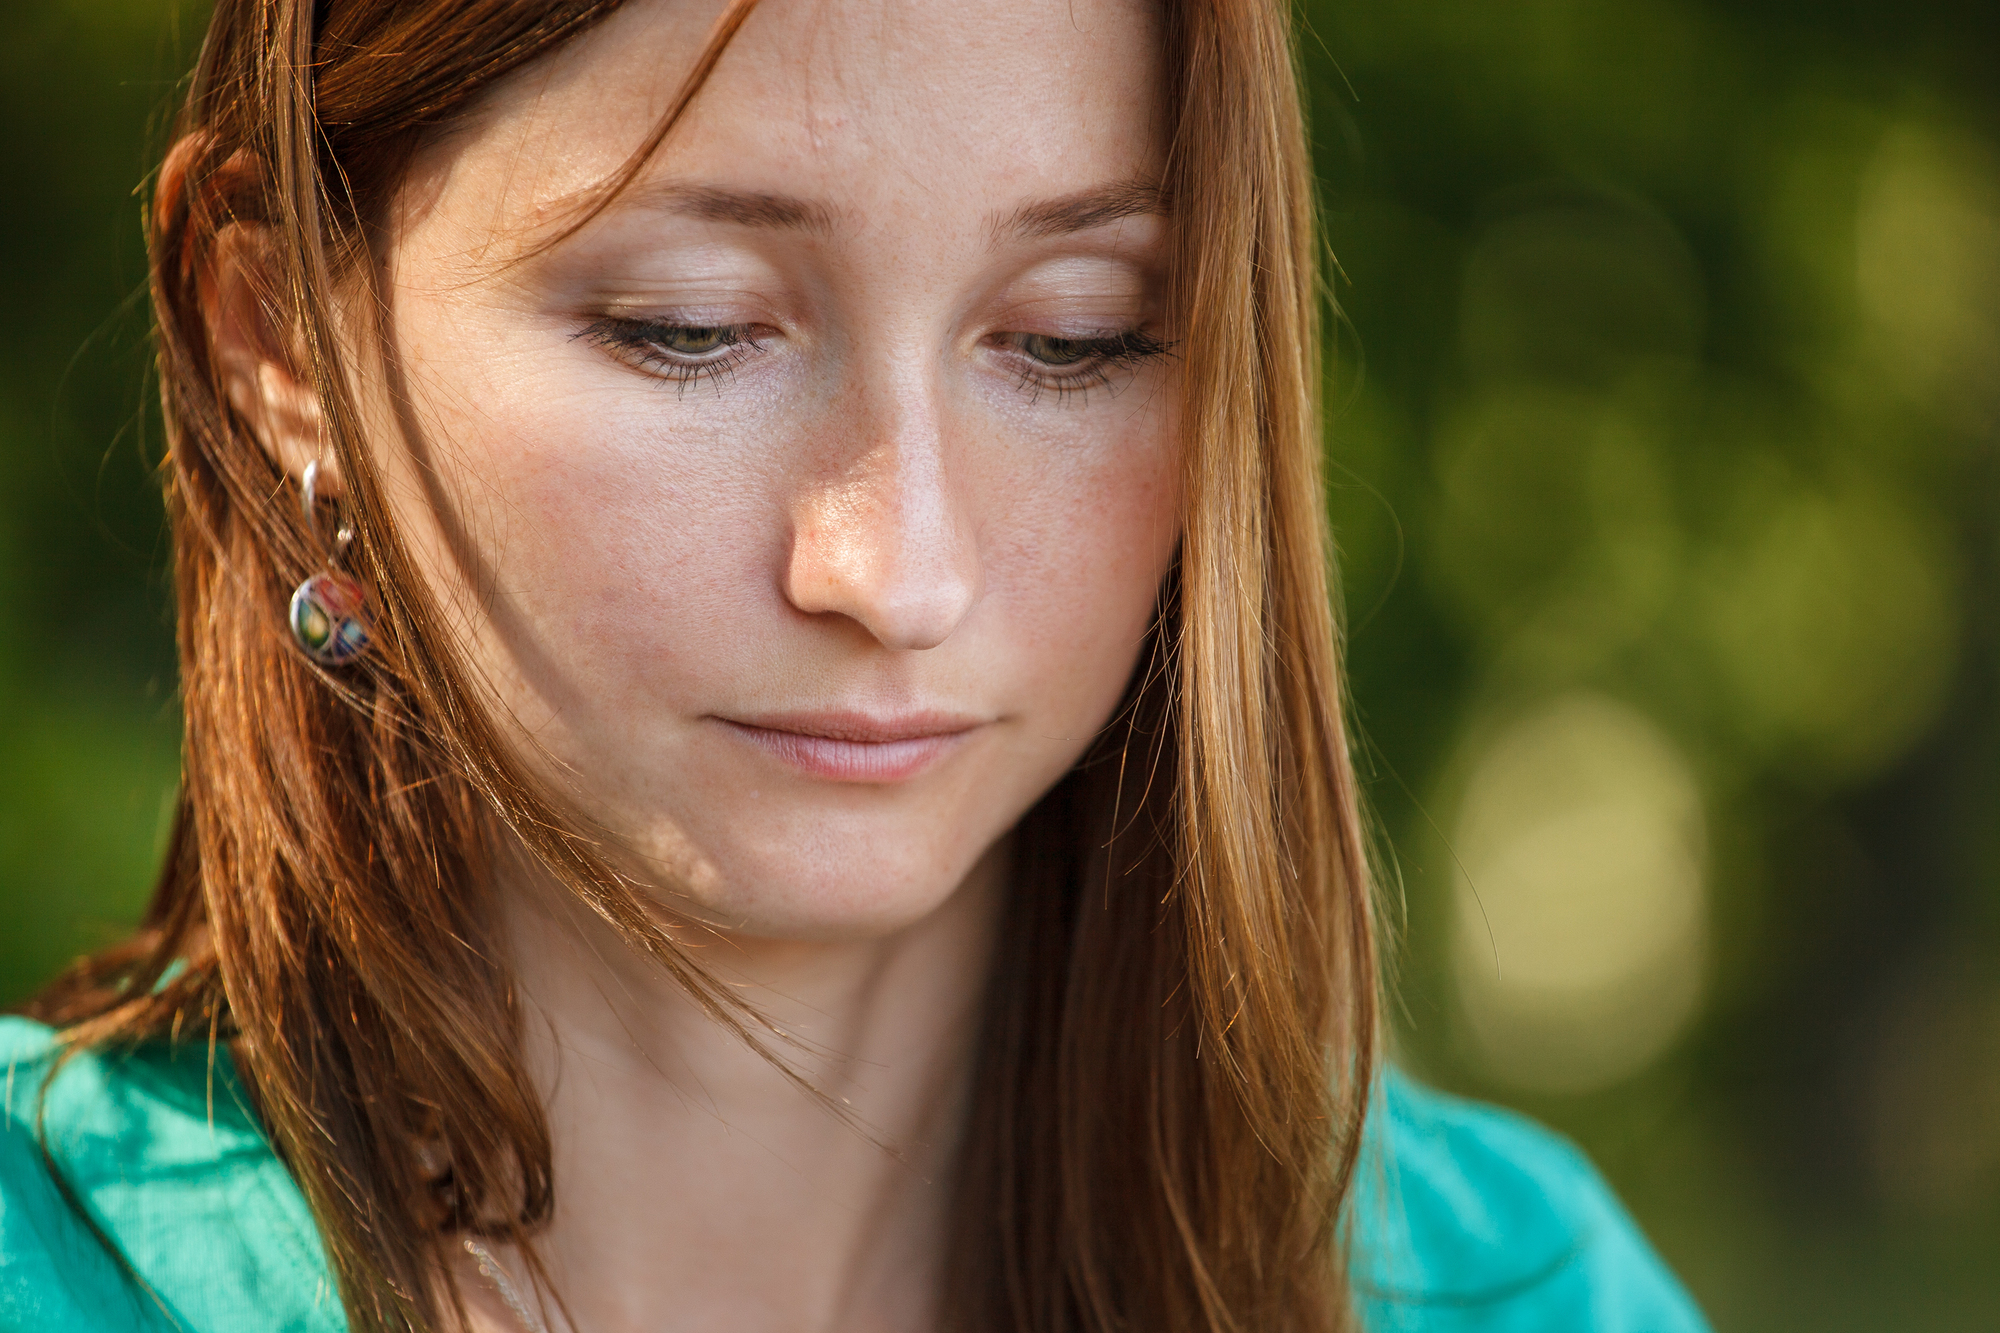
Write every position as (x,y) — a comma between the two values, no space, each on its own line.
(632,552)
(622,554)
(1081,558)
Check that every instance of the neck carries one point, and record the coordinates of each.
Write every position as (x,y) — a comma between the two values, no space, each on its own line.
(697,1186)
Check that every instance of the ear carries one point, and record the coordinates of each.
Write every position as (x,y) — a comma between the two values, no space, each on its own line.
(256,352)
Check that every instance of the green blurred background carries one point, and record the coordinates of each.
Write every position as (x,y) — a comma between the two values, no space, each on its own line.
(1664,467)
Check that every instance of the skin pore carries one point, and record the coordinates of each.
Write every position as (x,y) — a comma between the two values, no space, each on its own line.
(805,513)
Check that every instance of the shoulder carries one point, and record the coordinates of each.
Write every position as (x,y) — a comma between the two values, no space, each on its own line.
(160,1157)
(1469,1219)
(53,1272)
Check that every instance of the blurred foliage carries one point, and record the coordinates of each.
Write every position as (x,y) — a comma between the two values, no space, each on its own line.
(1663,466)
(88,749)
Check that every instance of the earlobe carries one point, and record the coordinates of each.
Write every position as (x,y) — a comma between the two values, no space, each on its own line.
(254,353)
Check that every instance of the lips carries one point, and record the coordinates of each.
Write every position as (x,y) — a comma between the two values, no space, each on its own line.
(855,747)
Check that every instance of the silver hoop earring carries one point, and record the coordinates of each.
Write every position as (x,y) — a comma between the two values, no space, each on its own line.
(327,611)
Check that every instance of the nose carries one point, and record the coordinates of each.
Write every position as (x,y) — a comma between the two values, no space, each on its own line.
(886,541)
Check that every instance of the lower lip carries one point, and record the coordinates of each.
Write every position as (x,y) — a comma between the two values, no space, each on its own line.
(850,761)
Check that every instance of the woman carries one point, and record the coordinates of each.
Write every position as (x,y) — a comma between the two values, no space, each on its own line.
(762,732)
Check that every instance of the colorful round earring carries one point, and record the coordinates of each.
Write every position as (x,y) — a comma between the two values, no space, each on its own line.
(326,619)
(327,611)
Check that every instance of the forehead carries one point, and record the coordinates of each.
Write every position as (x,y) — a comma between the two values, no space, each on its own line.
(926,107)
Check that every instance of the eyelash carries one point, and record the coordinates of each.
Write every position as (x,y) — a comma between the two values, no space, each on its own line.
(640,340)
(1097,357)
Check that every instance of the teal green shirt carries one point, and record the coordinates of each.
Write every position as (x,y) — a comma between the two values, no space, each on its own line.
(1469,1220)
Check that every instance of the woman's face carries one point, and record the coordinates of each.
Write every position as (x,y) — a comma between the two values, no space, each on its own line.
(806,510)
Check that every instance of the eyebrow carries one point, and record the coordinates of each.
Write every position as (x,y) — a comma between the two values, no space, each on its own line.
(1082,211)
(1042,219)
(743,208)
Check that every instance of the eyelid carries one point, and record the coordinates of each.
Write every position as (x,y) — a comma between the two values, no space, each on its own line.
(1079,319)
(1080,290)
(696,315)
(1078,331)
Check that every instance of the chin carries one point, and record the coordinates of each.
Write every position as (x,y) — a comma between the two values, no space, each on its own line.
(827,890)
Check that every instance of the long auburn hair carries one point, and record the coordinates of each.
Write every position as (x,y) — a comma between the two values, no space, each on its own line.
(1180,1032)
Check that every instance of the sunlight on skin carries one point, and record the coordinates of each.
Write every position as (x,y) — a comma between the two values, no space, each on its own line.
(806,510)
(863,511)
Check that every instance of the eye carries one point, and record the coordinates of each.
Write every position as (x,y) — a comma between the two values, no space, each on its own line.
(1107,361)
(677,353)
(688,340)
(1059,351)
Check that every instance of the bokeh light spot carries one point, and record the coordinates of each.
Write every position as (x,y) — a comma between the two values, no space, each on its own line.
(1556,525)
(1830,613)
(1579,922)
(1927,252)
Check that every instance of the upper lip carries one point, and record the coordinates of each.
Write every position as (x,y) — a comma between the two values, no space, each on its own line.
(861,728)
